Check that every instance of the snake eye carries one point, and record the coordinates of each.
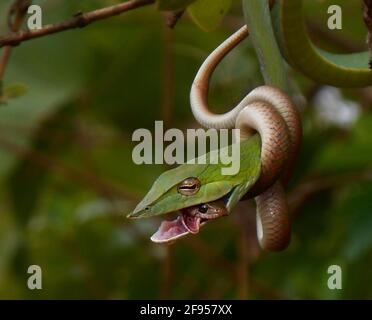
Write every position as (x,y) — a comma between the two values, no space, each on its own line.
(189,186)
(203,208)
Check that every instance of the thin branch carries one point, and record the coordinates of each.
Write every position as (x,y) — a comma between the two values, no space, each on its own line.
(4,62)
(171,18)
(80,20)
(367,16)
(248,250)
(16,15)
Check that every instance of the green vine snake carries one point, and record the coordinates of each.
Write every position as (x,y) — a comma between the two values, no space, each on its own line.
(201,193)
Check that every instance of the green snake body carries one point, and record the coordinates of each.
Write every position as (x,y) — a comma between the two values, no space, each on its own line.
(340,70)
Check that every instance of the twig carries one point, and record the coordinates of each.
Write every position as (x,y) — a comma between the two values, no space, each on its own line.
(367,16)
(80,20)
(248,250)
(171,18)
(17,10)
(4,62)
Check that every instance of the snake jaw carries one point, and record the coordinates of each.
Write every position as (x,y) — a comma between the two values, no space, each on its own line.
(191,223)
(184,224)
(188,221)
(169,231)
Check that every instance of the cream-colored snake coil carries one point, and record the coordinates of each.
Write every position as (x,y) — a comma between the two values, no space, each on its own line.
(271,113)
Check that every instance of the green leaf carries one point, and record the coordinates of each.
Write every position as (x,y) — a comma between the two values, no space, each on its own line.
(208,14)
(10,92)
(14,91)
(166,5)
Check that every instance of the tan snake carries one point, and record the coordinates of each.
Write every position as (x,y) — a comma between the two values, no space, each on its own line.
(271,113)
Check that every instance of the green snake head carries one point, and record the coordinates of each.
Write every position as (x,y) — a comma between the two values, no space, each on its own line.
(193,184)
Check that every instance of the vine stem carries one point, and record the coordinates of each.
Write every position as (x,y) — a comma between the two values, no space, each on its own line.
(258,19)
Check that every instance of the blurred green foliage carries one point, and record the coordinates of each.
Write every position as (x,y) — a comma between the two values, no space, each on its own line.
(67,179)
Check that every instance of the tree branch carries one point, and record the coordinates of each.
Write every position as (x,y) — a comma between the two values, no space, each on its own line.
(367,16)
(173,17)
(80,20)
(16,15)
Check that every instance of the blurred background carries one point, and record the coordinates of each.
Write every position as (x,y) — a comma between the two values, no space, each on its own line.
(70,104)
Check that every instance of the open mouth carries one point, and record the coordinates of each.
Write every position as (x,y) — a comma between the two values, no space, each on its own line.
(189,221)
(183,225)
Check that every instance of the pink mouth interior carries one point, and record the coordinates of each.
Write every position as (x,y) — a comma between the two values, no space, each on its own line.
(171,230)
